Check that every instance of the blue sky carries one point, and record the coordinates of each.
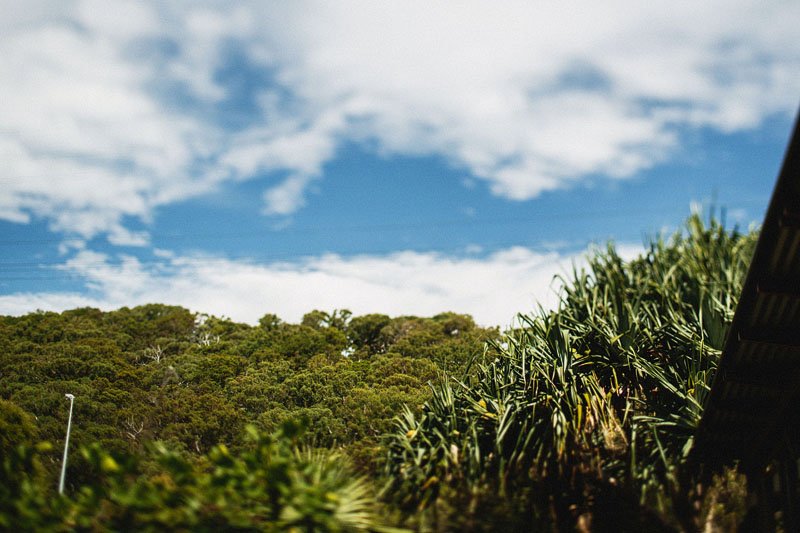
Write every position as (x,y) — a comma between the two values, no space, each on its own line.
(399,157)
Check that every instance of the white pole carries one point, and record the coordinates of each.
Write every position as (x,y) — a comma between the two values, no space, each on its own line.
(66,445)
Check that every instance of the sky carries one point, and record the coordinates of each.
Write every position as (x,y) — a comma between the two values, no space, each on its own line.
(244,158)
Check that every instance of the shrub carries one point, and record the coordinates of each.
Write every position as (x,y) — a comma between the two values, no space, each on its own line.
(592,405)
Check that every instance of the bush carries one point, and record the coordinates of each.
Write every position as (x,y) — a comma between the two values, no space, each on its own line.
(589,407)
(271,485)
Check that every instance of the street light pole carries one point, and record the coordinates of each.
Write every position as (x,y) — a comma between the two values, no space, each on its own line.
(66,446)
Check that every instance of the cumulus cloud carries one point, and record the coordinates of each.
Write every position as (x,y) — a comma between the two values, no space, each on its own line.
(492,288)
(83,144)
(110,110)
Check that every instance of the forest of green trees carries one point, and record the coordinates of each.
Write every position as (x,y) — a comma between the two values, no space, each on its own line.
(578,417)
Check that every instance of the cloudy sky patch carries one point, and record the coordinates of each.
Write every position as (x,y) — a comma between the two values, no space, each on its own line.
(134,126)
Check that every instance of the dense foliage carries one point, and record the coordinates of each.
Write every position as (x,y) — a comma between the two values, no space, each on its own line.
(193,383)
(586,412)
(161,373)
(270,485)
(576,415)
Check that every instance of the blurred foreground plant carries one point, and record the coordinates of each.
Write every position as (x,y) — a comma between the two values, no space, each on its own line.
(270,485)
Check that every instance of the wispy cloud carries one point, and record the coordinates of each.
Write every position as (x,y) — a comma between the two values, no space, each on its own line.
(492,288)
(111,110)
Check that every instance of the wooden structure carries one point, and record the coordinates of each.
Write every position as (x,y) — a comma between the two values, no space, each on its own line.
(752,416)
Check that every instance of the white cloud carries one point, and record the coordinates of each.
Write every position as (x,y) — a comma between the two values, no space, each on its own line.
(107,110)
(21,303)
(287,197)
(537,96)
(493,289)
(83,143)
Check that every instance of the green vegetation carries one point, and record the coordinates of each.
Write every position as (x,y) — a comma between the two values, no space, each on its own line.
(577,416)
(176,402)
(587,410)
(270,485)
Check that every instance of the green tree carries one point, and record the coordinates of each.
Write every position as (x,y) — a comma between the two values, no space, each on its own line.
(17,427)
(364,333)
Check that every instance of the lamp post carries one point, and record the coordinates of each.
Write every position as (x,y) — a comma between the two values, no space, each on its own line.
(66,445)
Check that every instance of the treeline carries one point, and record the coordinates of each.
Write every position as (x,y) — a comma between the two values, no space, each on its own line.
(158,373)
(162,373)
(581,416)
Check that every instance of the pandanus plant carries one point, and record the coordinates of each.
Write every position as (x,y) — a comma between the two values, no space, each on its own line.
(595,401)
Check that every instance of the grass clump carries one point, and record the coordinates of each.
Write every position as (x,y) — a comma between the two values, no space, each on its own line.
(587,411)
